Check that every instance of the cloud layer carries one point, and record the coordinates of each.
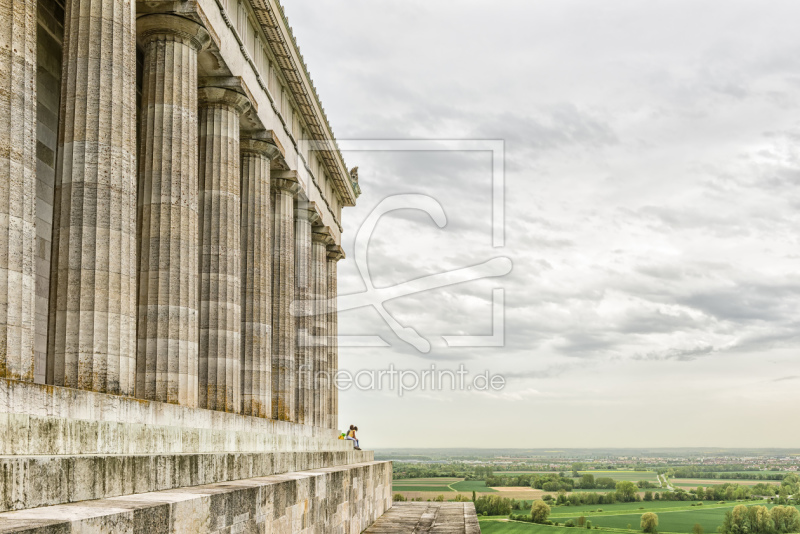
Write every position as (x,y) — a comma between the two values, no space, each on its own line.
(652,194)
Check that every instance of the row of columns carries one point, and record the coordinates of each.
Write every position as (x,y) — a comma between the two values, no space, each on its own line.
(221,248)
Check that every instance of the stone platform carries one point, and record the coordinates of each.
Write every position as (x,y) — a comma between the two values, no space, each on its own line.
(342,499)
(61,445)
(431,517)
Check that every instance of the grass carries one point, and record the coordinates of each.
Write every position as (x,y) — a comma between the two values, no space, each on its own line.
(694,482)
(436,485)
(674,517)
(472,485)
(493,526)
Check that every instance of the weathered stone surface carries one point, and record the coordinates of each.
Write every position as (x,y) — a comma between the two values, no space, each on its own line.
(17,187)
(431,517)
(220,249)
(33,481)
(284,188)
(321,239)
(92,332)
(335,499)
(36,419)
(256,275)
(305,215)
(167,350)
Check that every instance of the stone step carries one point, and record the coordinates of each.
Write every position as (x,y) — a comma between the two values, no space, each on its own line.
(334,499)
(33,481)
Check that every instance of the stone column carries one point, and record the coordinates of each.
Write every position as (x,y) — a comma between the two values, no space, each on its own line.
(305,216)
(335,253)
(220,249)
(92,341)
(168,211)
(321,239)
(284,188)
(256,242)
(17,187)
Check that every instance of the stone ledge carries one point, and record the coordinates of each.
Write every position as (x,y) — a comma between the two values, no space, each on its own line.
(37,419)
(34,481)
(336,499)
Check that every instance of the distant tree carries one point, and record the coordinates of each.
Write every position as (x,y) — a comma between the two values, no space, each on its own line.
(700,492)
(786,519)
(605,483)
(657,497)
(648,495)
(589,525)
(540,511)
(473,495)
(582,521)
(399,497)
(439,498)
(649,523)
(626,491)
(587,481)
(577,468)
(697,529)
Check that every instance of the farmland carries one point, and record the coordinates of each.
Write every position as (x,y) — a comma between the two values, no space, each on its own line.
(691,483)
(436,484)
(674,517)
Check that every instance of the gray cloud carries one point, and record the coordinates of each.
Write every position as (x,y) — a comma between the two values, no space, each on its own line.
(652,200)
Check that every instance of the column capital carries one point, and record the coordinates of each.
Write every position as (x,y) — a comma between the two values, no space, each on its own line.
(223,96)
(262,142)
(178,28)
(323,235)
(286,181)
(305,210)
(335,253)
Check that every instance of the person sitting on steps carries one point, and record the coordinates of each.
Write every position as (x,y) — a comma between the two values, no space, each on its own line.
(351,435)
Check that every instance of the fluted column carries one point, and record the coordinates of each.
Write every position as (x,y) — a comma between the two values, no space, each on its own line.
(256,368)
(220,249)
(284,188)
(168,211)
(17,187)
(335,254)
(305,216)
(92,341)
(319,321)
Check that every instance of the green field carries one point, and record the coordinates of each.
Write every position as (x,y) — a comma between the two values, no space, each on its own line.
(559,512)
(438,485)
(472,485)
(674,517)
(491,526)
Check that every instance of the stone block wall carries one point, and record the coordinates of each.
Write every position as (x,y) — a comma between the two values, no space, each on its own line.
(343,500)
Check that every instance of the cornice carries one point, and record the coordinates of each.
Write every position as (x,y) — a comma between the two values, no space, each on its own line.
(275,24)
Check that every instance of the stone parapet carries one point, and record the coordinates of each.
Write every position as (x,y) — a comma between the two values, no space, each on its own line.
(334,499)
(34,481)
(49,420)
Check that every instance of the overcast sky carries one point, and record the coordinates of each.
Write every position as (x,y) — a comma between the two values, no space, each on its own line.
(652,168)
